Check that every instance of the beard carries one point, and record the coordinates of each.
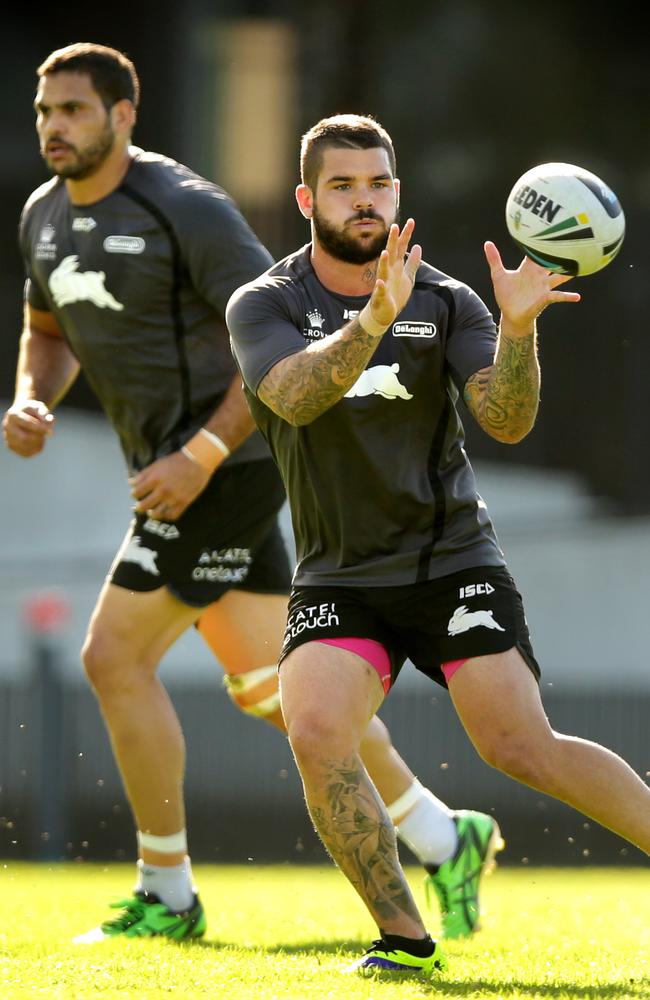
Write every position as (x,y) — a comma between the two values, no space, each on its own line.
(344,246)
(87,160)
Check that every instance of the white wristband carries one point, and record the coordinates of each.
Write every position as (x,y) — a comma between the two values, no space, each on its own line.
(370,324)
(216,440)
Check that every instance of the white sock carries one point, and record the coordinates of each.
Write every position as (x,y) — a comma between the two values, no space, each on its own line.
(428,829)
(173,885)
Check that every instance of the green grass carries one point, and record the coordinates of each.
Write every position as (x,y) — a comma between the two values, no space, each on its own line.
(284,932)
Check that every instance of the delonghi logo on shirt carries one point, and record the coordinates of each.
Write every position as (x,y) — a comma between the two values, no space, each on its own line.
(414,329)
(124,244)
(463,620)
(83,225)
(380,380)
(45,247)
(67,285)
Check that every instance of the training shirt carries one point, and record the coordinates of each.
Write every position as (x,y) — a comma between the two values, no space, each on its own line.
(138,283)
(380,488)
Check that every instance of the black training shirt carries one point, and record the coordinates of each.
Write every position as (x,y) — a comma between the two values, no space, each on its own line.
(380,488)
(138,283)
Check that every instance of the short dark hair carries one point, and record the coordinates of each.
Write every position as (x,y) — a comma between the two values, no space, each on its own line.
(112,73)
(341,132)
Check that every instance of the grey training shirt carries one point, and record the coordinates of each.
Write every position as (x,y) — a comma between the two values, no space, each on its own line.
(138,283)
(380,488)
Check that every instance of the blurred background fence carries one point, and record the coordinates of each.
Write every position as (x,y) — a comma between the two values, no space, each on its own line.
(473,93)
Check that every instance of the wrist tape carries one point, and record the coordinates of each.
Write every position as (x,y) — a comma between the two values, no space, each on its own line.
(206,449)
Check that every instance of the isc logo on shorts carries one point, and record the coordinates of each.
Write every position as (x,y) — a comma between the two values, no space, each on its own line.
(476,590)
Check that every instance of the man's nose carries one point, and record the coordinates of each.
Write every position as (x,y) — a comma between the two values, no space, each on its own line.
(364,198)
(53,125)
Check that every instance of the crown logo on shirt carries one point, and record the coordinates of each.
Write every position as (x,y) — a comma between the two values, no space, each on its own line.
(316,321)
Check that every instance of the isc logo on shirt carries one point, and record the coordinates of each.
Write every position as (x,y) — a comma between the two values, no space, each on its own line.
(414,329)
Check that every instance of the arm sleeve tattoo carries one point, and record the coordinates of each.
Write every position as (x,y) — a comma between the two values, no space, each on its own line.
(303,386)
(504,397)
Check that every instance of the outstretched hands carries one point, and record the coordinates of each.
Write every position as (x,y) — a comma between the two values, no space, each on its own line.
(395,275)
(523,294)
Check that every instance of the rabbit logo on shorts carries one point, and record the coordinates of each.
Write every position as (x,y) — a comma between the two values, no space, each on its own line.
(462,620)
(136,552)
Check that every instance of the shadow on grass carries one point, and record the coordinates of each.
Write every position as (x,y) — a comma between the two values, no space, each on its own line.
(501,989)
(306,947)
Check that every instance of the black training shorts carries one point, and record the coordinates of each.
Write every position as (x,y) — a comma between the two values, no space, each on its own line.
(471,613)
(229,537)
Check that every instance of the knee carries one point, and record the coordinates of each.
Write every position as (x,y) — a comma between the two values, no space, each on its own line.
(108,665)
(316,735)
(525,759)
(256,693)
(376,739)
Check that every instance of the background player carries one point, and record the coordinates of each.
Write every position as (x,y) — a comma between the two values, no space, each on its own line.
(130,259)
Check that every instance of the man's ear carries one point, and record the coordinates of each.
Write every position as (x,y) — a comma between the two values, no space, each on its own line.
(123,116)
(305,200)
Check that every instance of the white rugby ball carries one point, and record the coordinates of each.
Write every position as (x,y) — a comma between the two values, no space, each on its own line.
(565,218)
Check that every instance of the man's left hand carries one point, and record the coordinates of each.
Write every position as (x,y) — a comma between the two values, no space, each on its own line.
(523,294)
(166,488)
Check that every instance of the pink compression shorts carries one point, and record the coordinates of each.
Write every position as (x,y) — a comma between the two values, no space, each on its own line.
(375,654)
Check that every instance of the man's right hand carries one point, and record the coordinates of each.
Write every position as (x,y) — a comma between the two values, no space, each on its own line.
(396,273)
(26,425)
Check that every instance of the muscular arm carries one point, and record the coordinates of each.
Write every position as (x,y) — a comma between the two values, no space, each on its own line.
(170,484)
(46,370)
(232,420)
(46,365)
(303,386)
(504,398)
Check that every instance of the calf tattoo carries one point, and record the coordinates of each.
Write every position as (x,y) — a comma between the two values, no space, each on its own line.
(358,834)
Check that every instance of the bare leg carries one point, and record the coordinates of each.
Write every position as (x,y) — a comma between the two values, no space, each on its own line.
(127,636)
(498,702)
(328,697)
(389,773)
(244,631)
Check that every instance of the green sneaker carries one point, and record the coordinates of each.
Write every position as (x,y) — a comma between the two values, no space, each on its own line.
(381,958)
(143,915)
(456,882)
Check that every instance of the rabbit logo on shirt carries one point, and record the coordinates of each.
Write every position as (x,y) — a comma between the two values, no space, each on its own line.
(68,284)
(380,380)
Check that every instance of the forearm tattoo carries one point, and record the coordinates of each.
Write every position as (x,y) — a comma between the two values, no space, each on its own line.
(305,385)
(504,398)
(356,830)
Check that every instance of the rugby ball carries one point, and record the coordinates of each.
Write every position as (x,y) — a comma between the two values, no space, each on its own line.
(565,218)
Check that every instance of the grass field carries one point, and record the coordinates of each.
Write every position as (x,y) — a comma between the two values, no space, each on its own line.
(285,932)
